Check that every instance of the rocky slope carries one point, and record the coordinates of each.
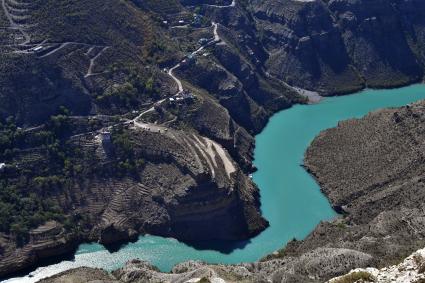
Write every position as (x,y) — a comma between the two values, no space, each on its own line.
(411,270)
(182,87)
(339,46)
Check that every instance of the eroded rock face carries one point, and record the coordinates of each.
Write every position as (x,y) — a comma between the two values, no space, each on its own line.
(190,186)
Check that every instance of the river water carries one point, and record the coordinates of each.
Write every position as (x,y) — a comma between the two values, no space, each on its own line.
(291,199)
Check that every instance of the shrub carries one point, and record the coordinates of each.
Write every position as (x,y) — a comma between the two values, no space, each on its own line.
(355,277)
(420,262)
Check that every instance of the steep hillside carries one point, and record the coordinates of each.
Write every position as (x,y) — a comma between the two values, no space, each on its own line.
(339,46)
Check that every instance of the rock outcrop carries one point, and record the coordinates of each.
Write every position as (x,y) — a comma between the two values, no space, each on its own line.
(411,270)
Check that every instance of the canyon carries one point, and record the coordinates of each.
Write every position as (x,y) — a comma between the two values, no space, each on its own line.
(90,128)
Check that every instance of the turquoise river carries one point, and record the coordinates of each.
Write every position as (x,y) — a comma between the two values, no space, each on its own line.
(291,199)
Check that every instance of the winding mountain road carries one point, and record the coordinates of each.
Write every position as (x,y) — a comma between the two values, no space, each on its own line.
(216,36)
(93,61)
(217,39)
(157,128)
(179,83)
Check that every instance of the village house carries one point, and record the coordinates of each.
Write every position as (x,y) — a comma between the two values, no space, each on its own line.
(182,97)
(189,60)
(203,41)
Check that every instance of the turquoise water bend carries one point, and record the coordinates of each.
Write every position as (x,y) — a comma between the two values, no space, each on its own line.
(291,199)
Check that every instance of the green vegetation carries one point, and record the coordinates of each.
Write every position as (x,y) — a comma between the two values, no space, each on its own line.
(44,167)
(361,276)
(341,225)
(9,136)
(131,93)
(31,89)
(27,190)
(127,161)
(420,262)
(138,86)
(123,95)
(20,211)
(12,138)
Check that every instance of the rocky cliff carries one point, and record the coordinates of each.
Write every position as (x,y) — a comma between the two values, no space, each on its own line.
(339,46)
